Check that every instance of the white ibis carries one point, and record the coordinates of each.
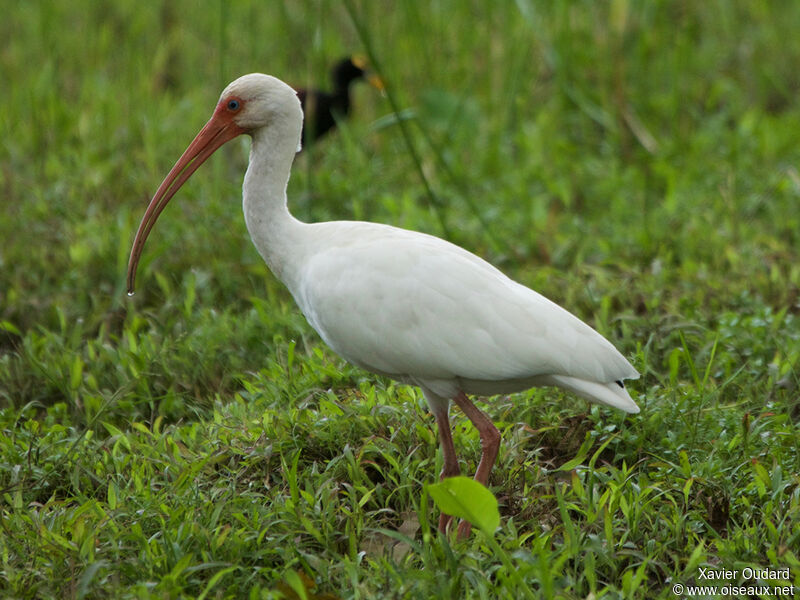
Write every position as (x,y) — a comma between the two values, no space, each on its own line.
(395,302)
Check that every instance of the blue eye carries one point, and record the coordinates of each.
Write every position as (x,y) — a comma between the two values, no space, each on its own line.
(233,105)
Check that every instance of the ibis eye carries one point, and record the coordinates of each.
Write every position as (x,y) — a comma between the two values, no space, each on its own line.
(234,105)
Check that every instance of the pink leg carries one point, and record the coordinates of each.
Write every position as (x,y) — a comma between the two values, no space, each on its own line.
(490,445)
(450,467)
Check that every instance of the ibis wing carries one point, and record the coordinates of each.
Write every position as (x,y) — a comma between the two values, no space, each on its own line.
(403,303)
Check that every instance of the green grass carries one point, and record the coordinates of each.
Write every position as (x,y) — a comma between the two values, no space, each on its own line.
(636,162)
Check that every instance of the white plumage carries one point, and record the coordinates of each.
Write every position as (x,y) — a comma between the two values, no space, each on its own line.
(422,310)
(397,302)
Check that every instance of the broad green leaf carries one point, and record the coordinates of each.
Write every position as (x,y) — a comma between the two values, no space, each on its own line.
(215,580)
(696,558)
(583,452)
(112,495)
(465,498)
(9,327)
(85,581)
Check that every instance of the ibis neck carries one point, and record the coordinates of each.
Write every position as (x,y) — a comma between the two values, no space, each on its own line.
(273,229)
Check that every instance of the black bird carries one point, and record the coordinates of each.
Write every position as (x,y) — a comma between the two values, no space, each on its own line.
(321,109)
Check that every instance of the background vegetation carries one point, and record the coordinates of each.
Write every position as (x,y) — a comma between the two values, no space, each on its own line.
(636,162)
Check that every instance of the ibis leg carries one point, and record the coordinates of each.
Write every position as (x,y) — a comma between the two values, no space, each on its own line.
(450,467)
(490,445)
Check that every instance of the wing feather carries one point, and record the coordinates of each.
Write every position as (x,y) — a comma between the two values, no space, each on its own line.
(406,304)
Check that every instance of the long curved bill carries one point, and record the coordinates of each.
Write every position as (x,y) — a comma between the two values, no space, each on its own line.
(214,134)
